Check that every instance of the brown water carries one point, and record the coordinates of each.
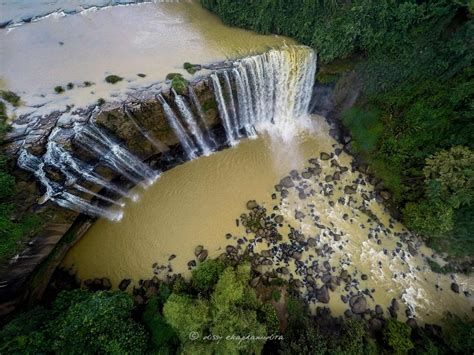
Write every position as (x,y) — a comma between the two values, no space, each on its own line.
(199,202)
(154,39)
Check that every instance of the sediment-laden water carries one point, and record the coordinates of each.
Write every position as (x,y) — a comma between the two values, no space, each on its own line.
(77,46)
(330,213)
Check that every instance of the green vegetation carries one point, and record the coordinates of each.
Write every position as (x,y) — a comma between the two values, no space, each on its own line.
(231,309)
(191,68)
(78,322)
(178,83)
(100,101)
(397,336)
(141,75)
(209,104)
(87,83)
(414,117)
(276,295)
(113,79)
(10,97)
(70,86)
(179,318)
(58,89)
(13,227)
(205,276)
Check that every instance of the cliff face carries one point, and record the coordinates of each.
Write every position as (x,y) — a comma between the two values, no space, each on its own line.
(137,124)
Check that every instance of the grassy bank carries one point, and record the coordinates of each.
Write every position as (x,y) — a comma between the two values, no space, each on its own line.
(414,121)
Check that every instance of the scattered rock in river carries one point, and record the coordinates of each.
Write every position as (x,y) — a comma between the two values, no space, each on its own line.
(123,285)
(252,204)
(358,304)
(324,156)
(287,182)
(200,248)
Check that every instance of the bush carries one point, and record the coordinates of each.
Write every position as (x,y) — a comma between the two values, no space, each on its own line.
(230,310)
(10,97)
(397,336)
(429,218)
(276,295)
(449,176)
(178,83)
(58,89)
(113,79)
(205,276)
(79,322)
(162,335)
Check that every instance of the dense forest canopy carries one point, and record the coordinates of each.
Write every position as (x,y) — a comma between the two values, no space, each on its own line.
(414,59)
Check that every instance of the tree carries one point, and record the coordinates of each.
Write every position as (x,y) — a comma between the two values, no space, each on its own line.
(449,176)
(79,322)
(397,336)
(96,323)
(432,219)
(232,311)
(206,274)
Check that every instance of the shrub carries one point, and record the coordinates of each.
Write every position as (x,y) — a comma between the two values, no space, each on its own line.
(429,218)
(449,175)
(205,276)
(113,79)
(276,295)
(397,336)
(79,322)
(58,89)
(162,335)
(10,97)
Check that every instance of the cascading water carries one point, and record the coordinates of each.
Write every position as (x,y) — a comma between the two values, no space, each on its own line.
(192,124)
(57,193)
(186,142)
(263,92)
(202,118)
(229,128)
(162,148)
(273,91)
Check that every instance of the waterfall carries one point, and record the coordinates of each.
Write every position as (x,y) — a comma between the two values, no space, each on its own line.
(275,88)
(229,128)
(186,142)
(244,100)
(233,113)
(193,127)
(202,118)
(162,148)
(267,92)
(74,169)
(115,156)
(57,193)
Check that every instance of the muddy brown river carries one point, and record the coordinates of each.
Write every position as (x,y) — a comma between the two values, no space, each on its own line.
(198,203)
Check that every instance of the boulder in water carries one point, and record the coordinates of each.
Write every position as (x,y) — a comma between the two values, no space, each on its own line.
(252,204)
(322,295)
(324,156)
(287,182)
(358,304)
(198,250)
(124,284)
